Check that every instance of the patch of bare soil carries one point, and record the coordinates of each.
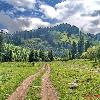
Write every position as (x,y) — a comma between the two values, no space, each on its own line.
(92,97)
(48,92)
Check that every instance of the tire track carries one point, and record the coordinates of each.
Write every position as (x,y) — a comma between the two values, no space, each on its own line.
(21,91)
(48,92)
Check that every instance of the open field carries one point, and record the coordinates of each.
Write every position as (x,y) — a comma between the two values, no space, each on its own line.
(72,80)
(12,74)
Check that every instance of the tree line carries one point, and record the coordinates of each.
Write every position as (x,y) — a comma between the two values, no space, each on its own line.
(77,49)
(9,52)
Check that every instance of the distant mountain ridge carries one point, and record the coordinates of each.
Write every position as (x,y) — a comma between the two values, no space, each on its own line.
(59,38)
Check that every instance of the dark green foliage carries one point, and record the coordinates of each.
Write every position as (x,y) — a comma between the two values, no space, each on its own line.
(70,55)
(74,50)
(42,55)
(7,56)
(60,38)
(33,56)
(87,45)
(15,53)
(1,45)
(50,55)
(56,37)
(1,41)
(81,45)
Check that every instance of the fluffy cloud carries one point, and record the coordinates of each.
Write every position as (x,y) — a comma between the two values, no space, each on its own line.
(8,22)
(29,4)
(21,23)
(29,23)
(81,13)
(61,10)
(49,11)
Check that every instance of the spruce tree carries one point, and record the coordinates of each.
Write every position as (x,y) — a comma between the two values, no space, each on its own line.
(74,50)
(1,45)
(36,56)
(50,55)
(41,55)
(87,45)
(31,56)
(81,45)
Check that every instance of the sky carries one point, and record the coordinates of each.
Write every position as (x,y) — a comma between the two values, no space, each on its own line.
(19,15)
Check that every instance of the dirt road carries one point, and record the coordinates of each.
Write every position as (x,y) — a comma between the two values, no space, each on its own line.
(21,91)
(48,92)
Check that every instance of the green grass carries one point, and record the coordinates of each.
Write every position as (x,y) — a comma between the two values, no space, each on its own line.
(12,74)
(34,91)
(35,88)
(87,76)
(86,73)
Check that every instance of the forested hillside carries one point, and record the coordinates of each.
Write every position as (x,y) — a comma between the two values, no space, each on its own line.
(65,41)
(59,38)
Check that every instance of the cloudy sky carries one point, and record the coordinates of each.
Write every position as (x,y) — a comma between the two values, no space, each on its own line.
(30,14)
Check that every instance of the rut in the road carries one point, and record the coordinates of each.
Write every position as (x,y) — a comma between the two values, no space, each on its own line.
(22,90)
(47,90)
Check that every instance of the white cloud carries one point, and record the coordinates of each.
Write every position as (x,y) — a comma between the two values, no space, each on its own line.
(29,4)
(20,9)
(32,23)
(60,10)
(82,13)
(49,11)
(84,22)
(21,23)
(76,12)
(8,22)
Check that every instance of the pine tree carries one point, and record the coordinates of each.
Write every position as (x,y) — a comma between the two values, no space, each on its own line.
(36,56)
(1,45)
(50,55)
(10,55)
(70,55)
(87,45)
(31,56)
(74,50)
(7,56)
(41,55)
(81,45)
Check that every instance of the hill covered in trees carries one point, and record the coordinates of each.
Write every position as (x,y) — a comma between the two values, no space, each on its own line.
(65,41)
(58,38)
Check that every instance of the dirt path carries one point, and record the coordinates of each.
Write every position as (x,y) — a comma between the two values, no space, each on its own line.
(22,90)
(47,90)
(92,97)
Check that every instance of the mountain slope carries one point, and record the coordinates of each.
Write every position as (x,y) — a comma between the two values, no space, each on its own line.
(59,38)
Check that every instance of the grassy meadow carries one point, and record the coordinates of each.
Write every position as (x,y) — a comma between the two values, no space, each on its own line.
(12,74)
(84,73)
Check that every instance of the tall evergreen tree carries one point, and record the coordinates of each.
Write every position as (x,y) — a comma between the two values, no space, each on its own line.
(70,55)
(1,45)
(31,56)
(50,55)
(87,45)
(74,50)
(81,45)
(7,56)
(41,55)
(36,56)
